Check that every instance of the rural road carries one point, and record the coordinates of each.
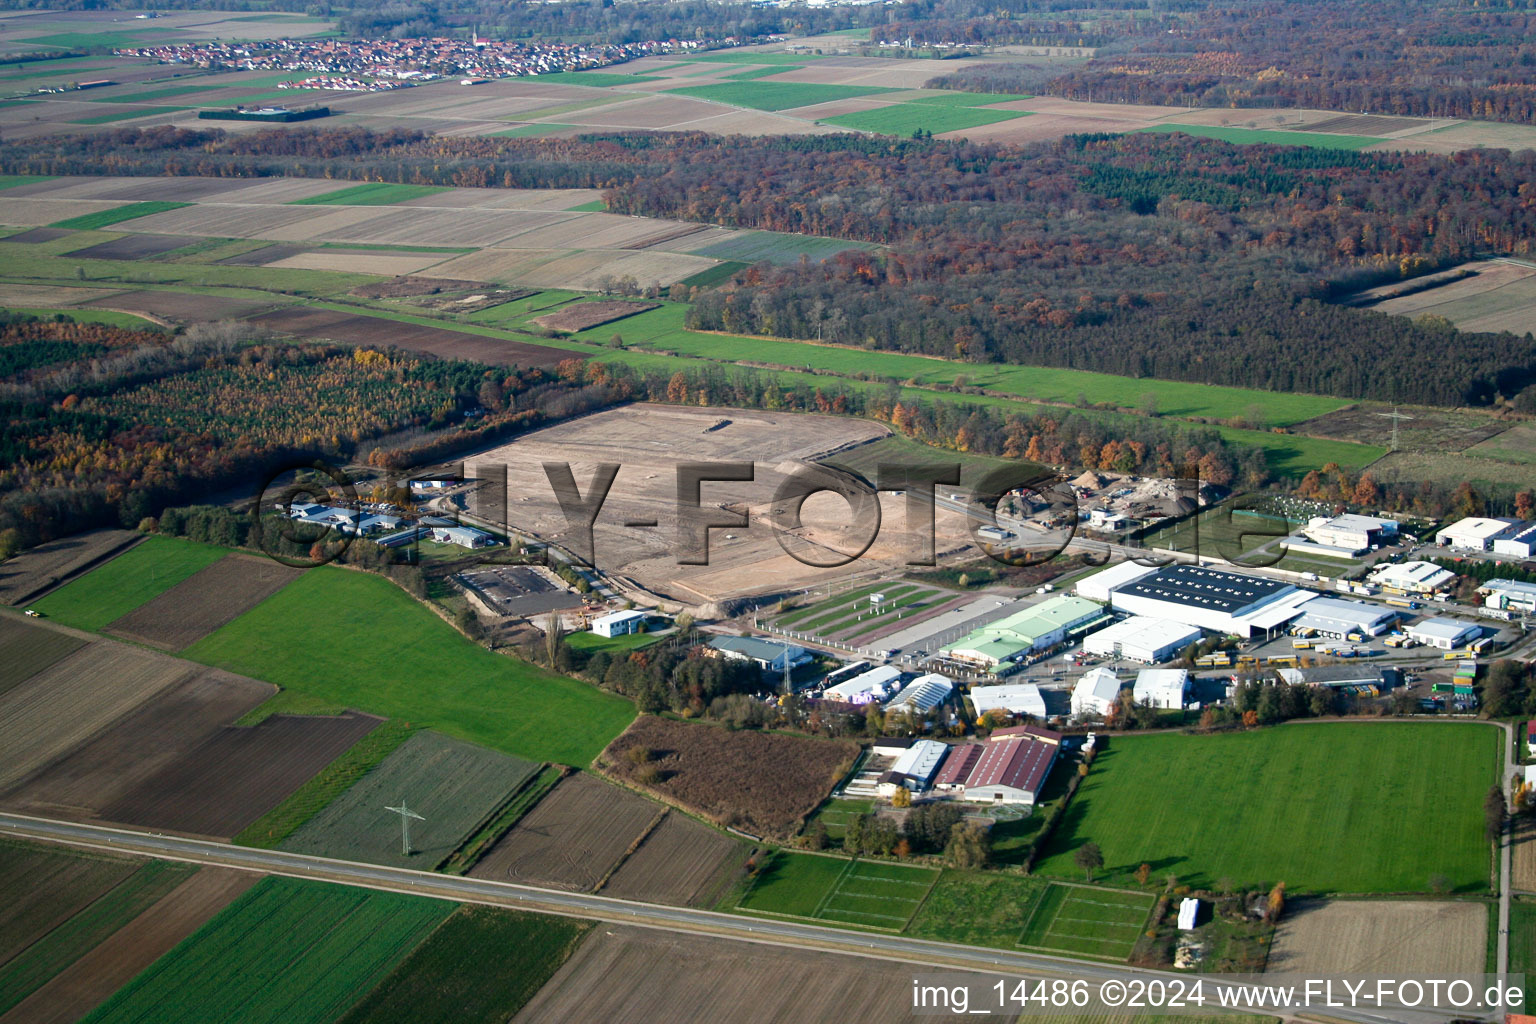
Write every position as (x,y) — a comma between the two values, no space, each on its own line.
(928,954)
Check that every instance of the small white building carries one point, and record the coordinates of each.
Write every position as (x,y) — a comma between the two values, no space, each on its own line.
(1189,913)
(463,536)
(922,694)
(874,685)
(1475,534)
(1446,634)
(1014,698)
(914,769)
(770,655)
(1162,687)
(618,623)
(1351,533)
(1411,577)
(1096,693)
(1143,639)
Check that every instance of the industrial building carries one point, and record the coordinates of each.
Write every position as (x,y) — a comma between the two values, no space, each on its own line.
(464,536)
(1351,534)
(619,623)
(770,655)
(1509,595)
(1214,599)
(874,685)
(1477,533)
(1014,698)
(922,694)
(346,520)
(1337,617)
(1142,639)
(914,768)
(1411,577)
(1034,629)
(1096,693)
(1446,634)
(1100,585)
(1009,769)
(1383,677)
(1517,541)
(1162,687)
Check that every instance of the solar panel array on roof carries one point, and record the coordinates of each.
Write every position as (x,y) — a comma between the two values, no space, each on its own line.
(1200,587)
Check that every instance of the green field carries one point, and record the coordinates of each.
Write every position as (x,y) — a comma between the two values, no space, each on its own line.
(597,79)
(906,118)
(838,814)
(762,95)
(101,218)
(869,894)
(157,94)
(588,642)
(377,649)
(525,131)
(1328,807)
(946,98)
(1086,922)
(714,275)
(754,57)
(763,71)
(777,247)
(372,194)
(12,180)
(1249,136)
(447,977)
(336,778)
(127,115)
(83,931)
(455,785)
(977,908)
(117,587)
(1522,942)
(1224,536)
(285,952)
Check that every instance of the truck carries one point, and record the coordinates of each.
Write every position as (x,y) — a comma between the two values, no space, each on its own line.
(1302,645)
(1402,602)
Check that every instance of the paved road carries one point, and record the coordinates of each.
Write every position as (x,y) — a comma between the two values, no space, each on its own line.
(930,955)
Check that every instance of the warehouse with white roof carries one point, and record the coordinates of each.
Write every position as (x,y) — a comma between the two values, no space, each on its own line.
(1411,577)
(1517,541)
(1476,533)
(1446,634)
(1509,595)
(1162,687)
(1214,599)
(1334,616)
(869,686)
(1142,639)
(922,694)
(1014,698)
(1101,584)
(1096,693)
(914,769)
(1351,533)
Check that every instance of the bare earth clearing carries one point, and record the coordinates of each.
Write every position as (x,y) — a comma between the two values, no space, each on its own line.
(1382,938)
(680,862)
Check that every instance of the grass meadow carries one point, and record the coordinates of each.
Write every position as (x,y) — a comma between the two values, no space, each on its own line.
(117,587)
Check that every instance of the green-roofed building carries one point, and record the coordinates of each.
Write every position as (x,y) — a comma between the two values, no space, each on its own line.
(1034,629)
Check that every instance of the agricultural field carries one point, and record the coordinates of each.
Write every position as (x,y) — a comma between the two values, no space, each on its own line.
(169,726)
(774,96)
(102,218)
(29,574)
(838,814)
(584,315)
(1522,943)
(1523,856)
(1517,445)
(203,602)
(1497,295)
(572,838)
(905,118)
(117,587)
(681,861)
(65,704)
(371,194)
(454,784)
(763,783)
(1323,807)
(1250,136)
(777,247)
(1419,429)
(1081,921)
(374,647)
(445,978)
(236,775)
(360,329)
(978,908)
(26,649)
(624,973)
(288,951)
(113,962)
(40,962)
(1378,937)
(44,886)
(868,894)
(1215,533)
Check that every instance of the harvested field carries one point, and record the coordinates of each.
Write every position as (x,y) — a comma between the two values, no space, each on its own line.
(237,775)
(67,703)
(1523,860)
(1364,124)
(456,785)
(412,287)
(681,862)
(352,328)
(572,838)
(763,783)
(43,886)
(183,307)
(204,601)
(137,746)
(133,189)
(504,266)
(1497,296)
(586,271)
(583,315)
(1400,938)
(360,262)
(1421,429)
(117,587)
(27,296)
(31,213)
(133,247)
(1517,444)
(624,973)
(81,986)
(263,256)
(26,649)
(34,572)
(36,235)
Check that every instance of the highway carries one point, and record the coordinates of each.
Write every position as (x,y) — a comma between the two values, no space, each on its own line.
(931,955)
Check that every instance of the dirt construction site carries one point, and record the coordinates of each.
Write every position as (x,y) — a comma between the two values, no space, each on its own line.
(650,442)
